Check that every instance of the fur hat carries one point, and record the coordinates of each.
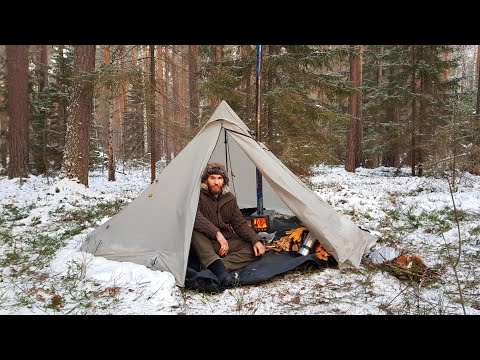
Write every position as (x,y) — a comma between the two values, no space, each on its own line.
(215,168)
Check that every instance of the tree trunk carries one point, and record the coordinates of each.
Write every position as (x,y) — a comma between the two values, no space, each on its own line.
(110,95)
(123,104)
(102,114)
(248,98)
(38,145)
(3,139)
(183,55)
(62,111)
(117,140)
(145,103)
(354,110)
(151,114)
(167,107)
(413,147)
(43,63)
(476,123)
(80,115)
(192,85)
(421,124)
(446,72)
(478,81)
(375,161)
(111,158)
(17,83)
(270,75)
(160,98)
(175,99)
(215,61)
(3,134)
(359,158)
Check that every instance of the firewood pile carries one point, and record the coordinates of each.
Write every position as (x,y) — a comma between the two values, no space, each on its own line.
(292,242)
(409,266)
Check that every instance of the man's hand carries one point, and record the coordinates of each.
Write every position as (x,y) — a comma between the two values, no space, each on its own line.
(259,248)
(223,244)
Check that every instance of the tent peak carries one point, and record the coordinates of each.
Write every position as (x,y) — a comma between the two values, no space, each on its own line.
(225,112)
(222,107)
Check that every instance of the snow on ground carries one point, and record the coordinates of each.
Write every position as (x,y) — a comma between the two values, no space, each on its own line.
(44,222)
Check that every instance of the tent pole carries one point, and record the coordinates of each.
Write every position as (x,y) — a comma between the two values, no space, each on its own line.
(258,135)
(226,149)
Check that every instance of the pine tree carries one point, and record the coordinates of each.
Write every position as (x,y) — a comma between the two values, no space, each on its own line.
(411,103)
(3,112)
(17,83)
(42,108)
(80,116)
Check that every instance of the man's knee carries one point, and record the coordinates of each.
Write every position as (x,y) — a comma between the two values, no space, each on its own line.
(204,248)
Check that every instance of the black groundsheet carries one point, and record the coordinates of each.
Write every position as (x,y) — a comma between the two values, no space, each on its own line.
(272,263)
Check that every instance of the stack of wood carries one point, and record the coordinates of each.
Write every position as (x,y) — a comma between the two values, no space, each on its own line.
(320,252)
(289,242)
(292,241)
(409,266)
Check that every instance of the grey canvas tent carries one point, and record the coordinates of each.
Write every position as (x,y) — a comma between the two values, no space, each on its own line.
(155,229)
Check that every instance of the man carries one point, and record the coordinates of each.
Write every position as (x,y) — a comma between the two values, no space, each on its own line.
(221,236)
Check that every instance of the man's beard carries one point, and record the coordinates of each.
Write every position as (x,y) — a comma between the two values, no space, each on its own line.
(214,193)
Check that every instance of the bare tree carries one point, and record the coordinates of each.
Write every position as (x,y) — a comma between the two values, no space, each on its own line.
(17,84)
(80,116)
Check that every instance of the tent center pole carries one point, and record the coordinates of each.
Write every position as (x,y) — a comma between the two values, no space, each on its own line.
(258,134)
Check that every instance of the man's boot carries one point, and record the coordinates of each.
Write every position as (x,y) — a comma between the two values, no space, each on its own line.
(226,279)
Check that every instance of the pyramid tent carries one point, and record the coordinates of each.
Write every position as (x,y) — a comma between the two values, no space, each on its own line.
(155,229)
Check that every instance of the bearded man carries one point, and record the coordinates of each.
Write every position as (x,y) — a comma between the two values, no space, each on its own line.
(221,236)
